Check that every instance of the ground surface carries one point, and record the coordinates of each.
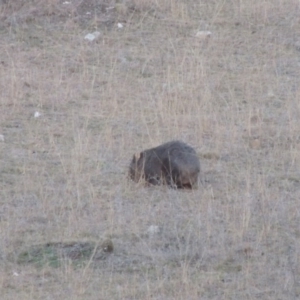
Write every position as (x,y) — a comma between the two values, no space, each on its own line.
(234,96)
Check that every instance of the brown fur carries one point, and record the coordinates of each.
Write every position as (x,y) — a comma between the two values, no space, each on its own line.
(174,163)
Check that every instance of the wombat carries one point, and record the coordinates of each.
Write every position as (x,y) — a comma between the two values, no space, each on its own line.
(174,163)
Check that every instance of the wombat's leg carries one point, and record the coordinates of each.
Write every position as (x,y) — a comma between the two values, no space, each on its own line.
(187,186)
(170,180)
(167,174)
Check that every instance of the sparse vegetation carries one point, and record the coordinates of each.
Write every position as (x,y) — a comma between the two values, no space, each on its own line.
(73,112)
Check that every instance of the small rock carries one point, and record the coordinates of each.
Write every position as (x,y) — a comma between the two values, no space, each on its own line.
(107,246)
(37,114)
(153,229)
(120,25)
(203,34)
(110,8)
(92,36)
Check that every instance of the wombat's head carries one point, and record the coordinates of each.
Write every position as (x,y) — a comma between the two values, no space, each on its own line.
(188,181)
(136,168)
(186,177)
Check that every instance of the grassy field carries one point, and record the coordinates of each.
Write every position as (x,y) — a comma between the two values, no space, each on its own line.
(73,112)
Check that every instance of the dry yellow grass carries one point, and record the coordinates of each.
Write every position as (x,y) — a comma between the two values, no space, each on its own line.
(234,96)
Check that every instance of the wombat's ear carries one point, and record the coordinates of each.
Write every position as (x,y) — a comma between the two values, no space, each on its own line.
(137,156)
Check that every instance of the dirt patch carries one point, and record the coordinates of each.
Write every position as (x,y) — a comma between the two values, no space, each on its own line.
(53,254)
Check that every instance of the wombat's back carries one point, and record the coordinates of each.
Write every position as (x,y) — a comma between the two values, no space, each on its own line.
(181,164)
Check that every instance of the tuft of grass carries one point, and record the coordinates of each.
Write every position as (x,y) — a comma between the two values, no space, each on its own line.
(55,254)
(40,256)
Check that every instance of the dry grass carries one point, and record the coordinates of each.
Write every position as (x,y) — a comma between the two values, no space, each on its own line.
(233,96)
